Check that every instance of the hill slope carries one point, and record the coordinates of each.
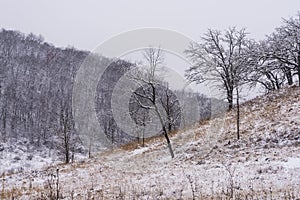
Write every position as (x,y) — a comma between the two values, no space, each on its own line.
(209,161)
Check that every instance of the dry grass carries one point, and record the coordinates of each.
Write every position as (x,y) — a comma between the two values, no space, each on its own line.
(228,190)
(147,141)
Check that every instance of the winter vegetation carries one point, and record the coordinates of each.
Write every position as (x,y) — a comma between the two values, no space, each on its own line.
(264,163)
(248,151)
(36,97)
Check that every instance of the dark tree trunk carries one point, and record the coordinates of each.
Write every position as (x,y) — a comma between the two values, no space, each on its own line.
(298,64)
(167,138)
(299,74)
(238,113)
(230,99)
(298,70)
(288,75)
(4,126)
(165,132)
(143,143)
(57,183)
(90,149)
(169,143)
(67,150)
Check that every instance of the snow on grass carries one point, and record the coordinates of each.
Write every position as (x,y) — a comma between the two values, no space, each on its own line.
(292,163)
(19,157)
(264,163)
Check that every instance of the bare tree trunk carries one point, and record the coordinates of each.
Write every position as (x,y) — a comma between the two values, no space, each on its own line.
(57,183)
(143,142)
(4,126)
(238,113)
(67,145)
(298,66)
(288,75)
(90,149)
(230,100)
(170,148)
(298,71)
(73,154)
(165,132)
(299,74)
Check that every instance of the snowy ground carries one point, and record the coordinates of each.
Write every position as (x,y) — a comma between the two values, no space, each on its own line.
(209,162)
(20,156)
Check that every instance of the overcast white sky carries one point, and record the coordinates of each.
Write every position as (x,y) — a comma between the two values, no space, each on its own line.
(85,24)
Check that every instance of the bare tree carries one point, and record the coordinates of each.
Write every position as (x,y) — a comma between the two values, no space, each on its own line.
(263,69)
(221,59)
(171,107)
(66,132)
(284,48)
(218,59)
(276,60)
(151,92)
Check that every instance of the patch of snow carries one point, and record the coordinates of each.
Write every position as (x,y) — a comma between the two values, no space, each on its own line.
(292,163)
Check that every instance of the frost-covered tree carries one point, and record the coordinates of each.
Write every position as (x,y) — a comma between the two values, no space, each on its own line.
(153,92)
(264,70)
(284,47)
(218,58)
(276,60)
(32,75)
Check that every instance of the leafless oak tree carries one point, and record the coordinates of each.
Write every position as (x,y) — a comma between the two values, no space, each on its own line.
(221,59)
(218,59)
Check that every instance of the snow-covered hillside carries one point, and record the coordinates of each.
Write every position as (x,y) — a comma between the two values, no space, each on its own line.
(209,161)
